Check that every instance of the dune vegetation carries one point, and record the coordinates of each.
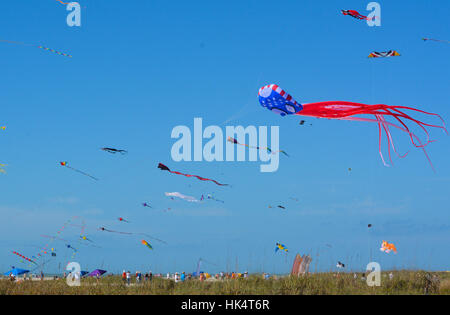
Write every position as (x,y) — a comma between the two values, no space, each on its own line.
(402,283)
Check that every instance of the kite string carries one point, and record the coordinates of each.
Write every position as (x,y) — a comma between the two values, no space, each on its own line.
(76,170)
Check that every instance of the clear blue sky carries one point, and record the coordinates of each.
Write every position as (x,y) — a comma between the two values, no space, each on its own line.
(140,68)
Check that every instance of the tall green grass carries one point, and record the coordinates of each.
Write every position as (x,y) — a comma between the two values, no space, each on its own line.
(403,282)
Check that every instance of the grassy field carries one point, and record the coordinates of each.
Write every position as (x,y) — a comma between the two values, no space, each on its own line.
(403,282)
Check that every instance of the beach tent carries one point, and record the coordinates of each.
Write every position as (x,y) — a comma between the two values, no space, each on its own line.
(96,272)
(16,272)
(83,273)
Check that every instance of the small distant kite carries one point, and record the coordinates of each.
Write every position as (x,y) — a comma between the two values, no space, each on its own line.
(76,170)
(129,233)
(54,238)
(355,14)
(84,238)
(123,220)
(281,207)
(114,151)
(340,265)
(165,168)
(436,40)
(384,54)
(211,197)
(144,204)
(3,127)
(71,247)
(38,46)
(280,246)
(181,196)
(369,225)
(2,170)
(112,231)
(302,122)
(388,247)
(233,140)
(144,242)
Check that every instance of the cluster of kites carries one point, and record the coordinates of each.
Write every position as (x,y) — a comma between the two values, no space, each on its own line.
(271,97)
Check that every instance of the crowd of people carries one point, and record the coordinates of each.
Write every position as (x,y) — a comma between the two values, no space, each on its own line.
(139,277)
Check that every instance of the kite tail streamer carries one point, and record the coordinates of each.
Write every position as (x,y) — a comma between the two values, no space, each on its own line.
(233,140)
(165,168)
(346,110)
(76,170)
(436,40)
(55,51)
(81,172)
(37,46)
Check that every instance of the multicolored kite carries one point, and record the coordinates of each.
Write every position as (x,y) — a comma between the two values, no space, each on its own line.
(388,247)
(278,101)
(23,257)
(144,242)
(165,168)
(38,46)
(384,54)
(280,247)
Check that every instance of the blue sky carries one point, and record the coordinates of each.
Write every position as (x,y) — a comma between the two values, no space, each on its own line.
(140,68)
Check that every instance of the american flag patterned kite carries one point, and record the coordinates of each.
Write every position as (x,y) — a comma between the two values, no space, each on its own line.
(278,101)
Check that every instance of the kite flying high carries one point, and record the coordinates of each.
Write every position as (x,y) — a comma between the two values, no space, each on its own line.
(144,242)
(388,247)
(76,170)
(38,46)
(181,196)
(165,168)
(436,40)
(280,247)
(278,101)
(233,140)
(355,14)
(384,54)
(114,151)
